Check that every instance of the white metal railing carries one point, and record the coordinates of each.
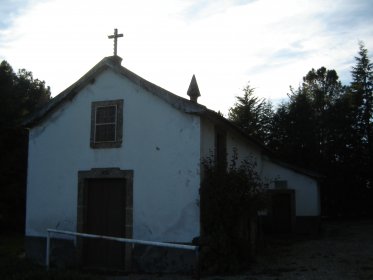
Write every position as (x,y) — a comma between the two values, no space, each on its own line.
(119,239)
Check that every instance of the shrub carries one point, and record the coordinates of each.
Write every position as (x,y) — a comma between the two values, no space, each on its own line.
(230,200)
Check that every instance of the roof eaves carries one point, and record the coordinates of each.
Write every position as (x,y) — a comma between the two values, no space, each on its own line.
(270,154)
(66,95)
(174,100)
(300,170)
(218,119)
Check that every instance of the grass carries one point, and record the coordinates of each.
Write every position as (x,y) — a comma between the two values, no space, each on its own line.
(14,265)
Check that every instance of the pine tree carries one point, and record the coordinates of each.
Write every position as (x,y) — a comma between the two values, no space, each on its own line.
(362,94)
(252,114)
(362,88)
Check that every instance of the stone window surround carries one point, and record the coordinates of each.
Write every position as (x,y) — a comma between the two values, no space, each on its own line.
(119,124)
(107,173)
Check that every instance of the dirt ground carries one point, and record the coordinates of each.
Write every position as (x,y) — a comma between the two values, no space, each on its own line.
(343,251)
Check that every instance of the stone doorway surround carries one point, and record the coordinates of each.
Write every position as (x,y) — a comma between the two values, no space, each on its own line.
(106,173)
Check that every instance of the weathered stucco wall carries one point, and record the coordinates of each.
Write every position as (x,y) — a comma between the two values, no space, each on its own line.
(245,150)
(160,144)
(307,200)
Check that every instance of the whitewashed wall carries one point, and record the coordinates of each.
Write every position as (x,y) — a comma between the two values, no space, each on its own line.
(160,143)
(307,197)
(245,150)
(234,142)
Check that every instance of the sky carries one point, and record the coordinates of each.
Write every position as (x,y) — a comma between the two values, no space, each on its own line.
(227,44)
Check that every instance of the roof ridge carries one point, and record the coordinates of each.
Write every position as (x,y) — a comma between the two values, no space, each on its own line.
(114,63)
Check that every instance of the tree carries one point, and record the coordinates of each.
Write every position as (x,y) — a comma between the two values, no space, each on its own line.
(361,90)
(324,90)
(252,114)
(327,127)
(302,129)
(20,94)
(279,132)
(309,130)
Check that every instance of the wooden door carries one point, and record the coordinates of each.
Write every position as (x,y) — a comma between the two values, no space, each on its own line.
(283,215)
(105,215)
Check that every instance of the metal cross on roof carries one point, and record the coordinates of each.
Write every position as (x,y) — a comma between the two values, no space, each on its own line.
(115,37)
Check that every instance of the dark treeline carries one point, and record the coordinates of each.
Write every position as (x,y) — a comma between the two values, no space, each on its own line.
(20,94)
(324,126)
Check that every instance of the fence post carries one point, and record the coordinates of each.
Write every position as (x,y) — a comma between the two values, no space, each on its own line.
(47,250)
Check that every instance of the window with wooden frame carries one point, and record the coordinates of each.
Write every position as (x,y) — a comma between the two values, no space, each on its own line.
(106,124)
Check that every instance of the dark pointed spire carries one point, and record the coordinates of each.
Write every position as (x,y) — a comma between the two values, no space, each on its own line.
(193,90)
